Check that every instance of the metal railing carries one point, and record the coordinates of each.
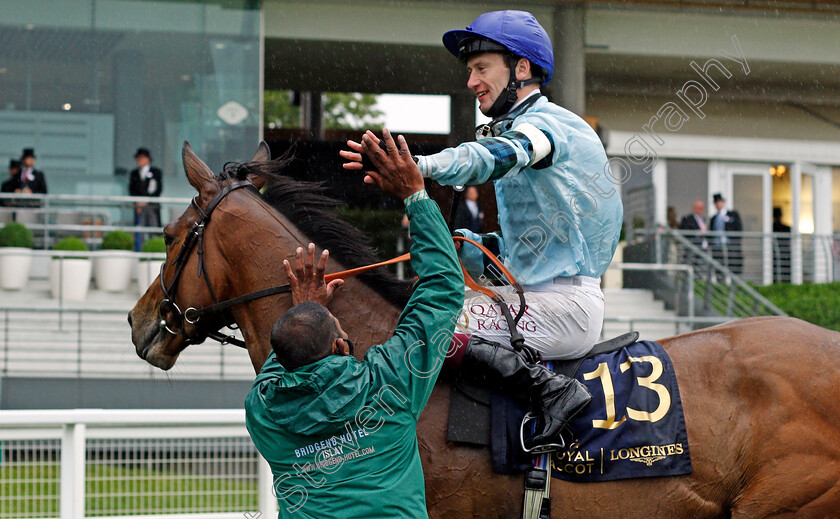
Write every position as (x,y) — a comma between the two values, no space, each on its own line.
(185,463)
(718,286)
(50,217)
(680,324)
(96,342)
(765,258)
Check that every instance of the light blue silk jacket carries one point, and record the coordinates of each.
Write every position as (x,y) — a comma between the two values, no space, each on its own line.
(560,216)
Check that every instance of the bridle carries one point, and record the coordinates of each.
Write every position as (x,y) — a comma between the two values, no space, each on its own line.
(192,315)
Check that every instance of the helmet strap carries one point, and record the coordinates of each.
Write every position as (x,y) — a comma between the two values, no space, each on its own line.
(507,97)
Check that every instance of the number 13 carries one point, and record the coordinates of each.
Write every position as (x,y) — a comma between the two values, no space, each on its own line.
(603,372)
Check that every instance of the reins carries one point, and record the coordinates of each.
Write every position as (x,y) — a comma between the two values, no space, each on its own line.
(192,315)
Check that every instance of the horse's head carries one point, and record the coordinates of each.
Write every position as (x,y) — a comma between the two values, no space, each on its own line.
(161,323)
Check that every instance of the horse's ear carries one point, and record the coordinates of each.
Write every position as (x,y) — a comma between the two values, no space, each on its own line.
(263,154)
(198,173)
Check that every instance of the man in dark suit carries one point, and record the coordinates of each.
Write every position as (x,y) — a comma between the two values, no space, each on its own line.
(27,181)
(696,221)
(727,249)
(469,215)
(145,181)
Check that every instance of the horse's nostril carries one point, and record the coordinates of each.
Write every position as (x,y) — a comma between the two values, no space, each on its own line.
(129,318)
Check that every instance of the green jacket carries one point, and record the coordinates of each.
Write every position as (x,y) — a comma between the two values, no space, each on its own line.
(339,434)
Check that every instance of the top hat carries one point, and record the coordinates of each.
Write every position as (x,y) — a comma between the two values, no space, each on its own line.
(144,152)
(28,152)
(717,197)
(14,164)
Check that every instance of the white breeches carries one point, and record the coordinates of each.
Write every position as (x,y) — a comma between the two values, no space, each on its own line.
(561,321)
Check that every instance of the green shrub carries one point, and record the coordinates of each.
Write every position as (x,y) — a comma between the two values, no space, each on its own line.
(154,245)
(14,234)
(816,303)
(70,243)
(117,240)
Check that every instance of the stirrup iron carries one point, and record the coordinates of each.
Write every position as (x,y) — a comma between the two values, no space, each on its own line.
(539,449)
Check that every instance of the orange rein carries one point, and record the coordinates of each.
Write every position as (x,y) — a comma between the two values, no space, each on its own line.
(470,282)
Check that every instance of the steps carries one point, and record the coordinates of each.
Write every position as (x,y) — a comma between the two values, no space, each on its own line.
(624,304)
(46,340)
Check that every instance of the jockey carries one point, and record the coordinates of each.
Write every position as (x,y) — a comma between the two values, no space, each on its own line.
(560,220)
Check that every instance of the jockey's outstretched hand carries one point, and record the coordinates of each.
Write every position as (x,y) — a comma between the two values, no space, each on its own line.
(355,156)
(396,172)
(307,279)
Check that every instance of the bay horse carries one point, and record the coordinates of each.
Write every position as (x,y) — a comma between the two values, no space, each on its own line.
(760,395)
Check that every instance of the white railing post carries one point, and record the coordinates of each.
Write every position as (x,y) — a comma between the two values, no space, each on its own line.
(72,500)
(265,487)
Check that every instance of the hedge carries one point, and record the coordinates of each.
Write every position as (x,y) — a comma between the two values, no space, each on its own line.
(816,303)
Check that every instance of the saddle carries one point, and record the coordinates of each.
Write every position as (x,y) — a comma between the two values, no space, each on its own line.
(469,406)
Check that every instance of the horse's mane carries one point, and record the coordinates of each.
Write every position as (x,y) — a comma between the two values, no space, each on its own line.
(314,213)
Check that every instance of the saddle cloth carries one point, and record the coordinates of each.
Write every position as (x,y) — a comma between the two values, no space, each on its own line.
(634,426)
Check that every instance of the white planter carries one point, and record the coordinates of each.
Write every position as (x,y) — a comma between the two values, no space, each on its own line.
(147,271)
(70,278)
(15,263)
(112,269)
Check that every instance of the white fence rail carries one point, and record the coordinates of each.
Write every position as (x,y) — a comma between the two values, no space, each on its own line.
(141,464)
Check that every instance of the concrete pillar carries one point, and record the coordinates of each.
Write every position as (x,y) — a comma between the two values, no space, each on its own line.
(312,110)
(129,107)
(461,118)
(568,86)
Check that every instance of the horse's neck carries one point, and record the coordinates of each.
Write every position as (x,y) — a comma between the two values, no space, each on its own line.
(365,315)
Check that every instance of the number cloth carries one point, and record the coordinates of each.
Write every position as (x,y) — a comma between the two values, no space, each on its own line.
(339,434)
(633,428)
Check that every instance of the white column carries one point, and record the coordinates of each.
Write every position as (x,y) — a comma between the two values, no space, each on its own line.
(265,488)
(766,228)
(795,237)
(660,191)
(823,264)
(72,500)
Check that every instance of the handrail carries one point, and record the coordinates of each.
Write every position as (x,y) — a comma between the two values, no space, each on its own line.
(122,417)
(729,276)
(102,199)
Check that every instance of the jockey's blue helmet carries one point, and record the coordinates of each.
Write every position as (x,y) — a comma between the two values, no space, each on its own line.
(516,32)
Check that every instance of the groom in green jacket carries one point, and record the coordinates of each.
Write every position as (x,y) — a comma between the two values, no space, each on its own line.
(339,434)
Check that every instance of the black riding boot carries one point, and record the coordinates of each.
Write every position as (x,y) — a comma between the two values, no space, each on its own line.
(554,398)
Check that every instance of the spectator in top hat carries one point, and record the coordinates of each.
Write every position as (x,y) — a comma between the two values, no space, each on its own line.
(10,183)
(30,180)
(727,250)
(145,181)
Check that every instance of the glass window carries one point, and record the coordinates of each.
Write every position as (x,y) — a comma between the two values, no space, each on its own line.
(86,83)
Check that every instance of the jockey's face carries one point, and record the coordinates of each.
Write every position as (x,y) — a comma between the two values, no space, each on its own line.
(489,74)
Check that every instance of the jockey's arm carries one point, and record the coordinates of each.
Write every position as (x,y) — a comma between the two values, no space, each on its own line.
(528,144)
